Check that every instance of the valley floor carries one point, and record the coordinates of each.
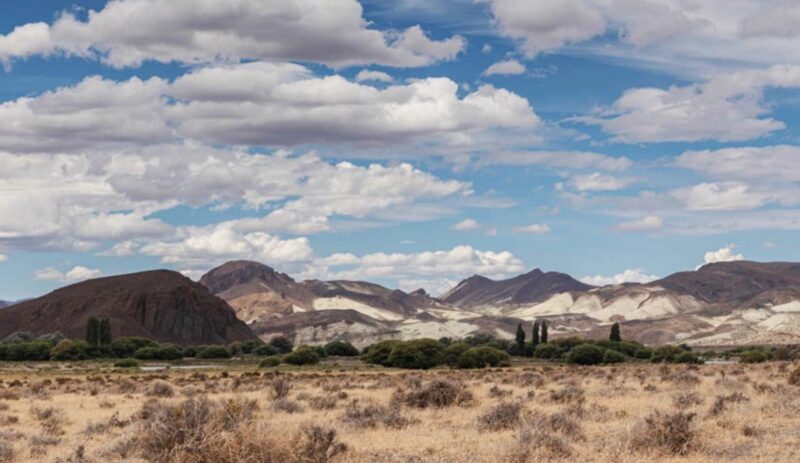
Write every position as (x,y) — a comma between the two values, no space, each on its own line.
(343,411)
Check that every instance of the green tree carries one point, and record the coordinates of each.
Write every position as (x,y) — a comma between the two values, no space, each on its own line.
(535,337)
(105,332)
(544,332)
(615,336)
(520,340)
(93,331)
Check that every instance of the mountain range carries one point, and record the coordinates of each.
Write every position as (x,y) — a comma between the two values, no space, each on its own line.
(725,303)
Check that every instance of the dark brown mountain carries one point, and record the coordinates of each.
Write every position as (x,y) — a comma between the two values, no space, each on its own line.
(534,286)
(4,304)
(161,304)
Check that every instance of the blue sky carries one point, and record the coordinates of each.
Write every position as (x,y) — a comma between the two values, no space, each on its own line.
(411,143)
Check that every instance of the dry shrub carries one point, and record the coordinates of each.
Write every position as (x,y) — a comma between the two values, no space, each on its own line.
(563,423)
(684,400)
(794,377)
(570,394)
(668,433)
(286,406)
(369,415)
(501,416)
(161,388)
(498,392)
(104,426)
(39,444)
(538,442)
(51,419)
(6,451)
(318,444)
(280,388)
(436,394)
(721,402)
(323,402)
(682,378)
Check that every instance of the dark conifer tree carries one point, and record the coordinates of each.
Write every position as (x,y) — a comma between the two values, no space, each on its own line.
(520,340)
(544,332)
(615,335)
(93,331)
(535,338)
(105,332)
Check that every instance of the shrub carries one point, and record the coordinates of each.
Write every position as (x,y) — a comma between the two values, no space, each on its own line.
(753,356)
(453,352)
(304,355)
(25,351)
(191,351)
(214,352)
(794,377)
(249,347)
(666,353)
(378,353)
(670,433)
(687,357)
(483,356)
(585,354)
(270,362)
(436,394)
(160,352)
(341,349)
(501,416)
(645,353)
(266,350)
(370,415)
(546,351)
(283,344)
(161,388)
(419,354)
(125,347)
(126,363)
(612,356)
(70,349)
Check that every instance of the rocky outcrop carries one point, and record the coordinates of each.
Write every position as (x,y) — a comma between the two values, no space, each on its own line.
(161,305)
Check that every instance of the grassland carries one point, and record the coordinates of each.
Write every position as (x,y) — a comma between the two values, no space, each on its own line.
(344,411)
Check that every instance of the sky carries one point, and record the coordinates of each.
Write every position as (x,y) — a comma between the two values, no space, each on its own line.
(412,143)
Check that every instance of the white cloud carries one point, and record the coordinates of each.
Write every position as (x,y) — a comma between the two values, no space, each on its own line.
(466,225)
(126,33)
(724,254)
(647,223)
(725,196)
(599,182)
(557,159)
(508,67)
(269,104)
(772,164)
(76,274)
(546,25)
(636,275)
(433,286)
(3,257)
(454,263)
(366,75)
(726,108)
(533,229)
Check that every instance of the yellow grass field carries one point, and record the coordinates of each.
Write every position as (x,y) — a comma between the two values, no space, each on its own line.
(531,412)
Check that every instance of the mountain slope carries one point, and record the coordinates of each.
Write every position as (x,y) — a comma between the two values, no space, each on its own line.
(4,304)
(161,304)
(534,286)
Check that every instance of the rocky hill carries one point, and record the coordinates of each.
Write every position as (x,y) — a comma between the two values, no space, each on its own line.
(162,305)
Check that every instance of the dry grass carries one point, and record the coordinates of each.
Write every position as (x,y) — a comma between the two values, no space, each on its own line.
(533,413)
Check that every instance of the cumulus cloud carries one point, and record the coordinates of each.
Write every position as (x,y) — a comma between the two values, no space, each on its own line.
(599,182)
(647,223)
(546,25)
(728,107)
(466,225)
(126,33)
(636,275)
(533,229)
(508,67)
(76,274)
(724,254)
(367,75)
(779,163)
(724,196)
(454,263)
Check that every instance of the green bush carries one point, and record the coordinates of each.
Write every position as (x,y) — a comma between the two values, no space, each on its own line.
(283,344)
(453,352)
(612,356)
(70,349)
(320,350)
(159,352)
(341,349)
(249,347)
(378,353)
(125,347)
(666,353)
(214,352)
(191,351)
(585,354)
(567,344)
(266,351)
(645,353)
(26,351)
(270,362)
(483,356)
(546,351)
(303,355)
(126,363)
(753,356)
(420,354)
(687,357)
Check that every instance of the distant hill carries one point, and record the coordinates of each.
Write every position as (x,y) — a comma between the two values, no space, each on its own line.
(534,286)
(161,304)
